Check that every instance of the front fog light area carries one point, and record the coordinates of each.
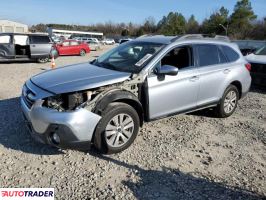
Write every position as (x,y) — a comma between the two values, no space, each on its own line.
(55,138)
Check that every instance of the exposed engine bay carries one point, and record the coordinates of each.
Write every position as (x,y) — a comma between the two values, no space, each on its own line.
(89,98)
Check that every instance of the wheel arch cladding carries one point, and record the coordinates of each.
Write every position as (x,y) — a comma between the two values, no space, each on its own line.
(120,96)
(238,86)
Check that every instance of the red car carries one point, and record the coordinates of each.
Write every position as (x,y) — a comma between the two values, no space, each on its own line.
(72,47)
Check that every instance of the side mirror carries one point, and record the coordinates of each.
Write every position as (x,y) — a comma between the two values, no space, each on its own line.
(167,70)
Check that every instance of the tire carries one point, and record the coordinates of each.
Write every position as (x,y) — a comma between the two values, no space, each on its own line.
(112,138)
(82,52)
(228,103)
(43,60)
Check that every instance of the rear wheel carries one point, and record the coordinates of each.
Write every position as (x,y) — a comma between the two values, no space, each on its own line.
(82,52)
(43,60)
(117,129)
(228,103)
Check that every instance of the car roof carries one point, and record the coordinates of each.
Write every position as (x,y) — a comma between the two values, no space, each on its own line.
(70,41)
(193,38)
(35,34)
(156,39)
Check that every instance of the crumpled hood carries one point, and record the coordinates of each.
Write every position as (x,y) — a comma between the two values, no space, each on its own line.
(256,58)
(77,77)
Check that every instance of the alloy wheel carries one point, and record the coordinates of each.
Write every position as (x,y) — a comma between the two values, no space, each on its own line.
(230,102)
(119,130)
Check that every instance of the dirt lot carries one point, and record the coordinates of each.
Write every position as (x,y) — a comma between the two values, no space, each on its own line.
(193,156)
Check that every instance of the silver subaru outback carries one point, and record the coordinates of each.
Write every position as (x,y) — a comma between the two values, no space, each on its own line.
(104,102)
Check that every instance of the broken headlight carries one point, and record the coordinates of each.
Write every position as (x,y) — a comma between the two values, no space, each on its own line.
(70,101)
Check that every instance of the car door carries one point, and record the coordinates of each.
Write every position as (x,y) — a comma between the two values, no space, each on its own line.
(173,94)
(74,47)
(213,70)
(7,50)
(64,48)
(40,46)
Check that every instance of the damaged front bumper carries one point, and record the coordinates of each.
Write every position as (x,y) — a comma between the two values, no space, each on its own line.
(72,129)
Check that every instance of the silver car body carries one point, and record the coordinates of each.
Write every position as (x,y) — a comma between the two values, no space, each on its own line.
(193,88)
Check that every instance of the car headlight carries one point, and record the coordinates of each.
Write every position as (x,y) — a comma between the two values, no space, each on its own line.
(70,101)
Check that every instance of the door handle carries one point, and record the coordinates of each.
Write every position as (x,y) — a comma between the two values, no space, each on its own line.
(33,45)
(226,71)
(194,78)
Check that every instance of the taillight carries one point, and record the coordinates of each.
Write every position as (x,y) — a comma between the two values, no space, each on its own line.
(248,66)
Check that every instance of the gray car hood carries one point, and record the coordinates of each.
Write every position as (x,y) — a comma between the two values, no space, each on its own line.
(77,77)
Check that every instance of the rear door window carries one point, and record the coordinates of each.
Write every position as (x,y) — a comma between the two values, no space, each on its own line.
(74,43)
(21,39)
(230,53)
(222,57)
(210,54)
(5,39)
(38,39)
(65,44)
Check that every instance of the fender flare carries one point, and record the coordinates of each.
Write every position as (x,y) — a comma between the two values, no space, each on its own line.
(123,96)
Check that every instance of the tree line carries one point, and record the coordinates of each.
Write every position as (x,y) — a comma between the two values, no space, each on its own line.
(243,23)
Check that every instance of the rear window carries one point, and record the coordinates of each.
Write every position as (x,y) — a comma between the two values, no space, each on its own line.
(5,39)
(210,55)
(74,43)
(261,51)
(230,53)
(37,39)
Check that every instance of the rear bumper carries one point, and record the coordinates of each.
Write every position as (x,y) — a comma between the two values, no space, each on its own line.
(74,128)
(246,84)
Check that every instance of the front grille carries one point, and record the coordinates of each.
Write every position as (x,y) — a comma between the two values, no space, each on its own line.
(26,94)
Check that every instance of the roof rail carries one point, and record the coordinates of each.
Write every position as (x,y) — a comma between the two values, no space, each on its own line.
(203,36)
(191,36)
(222,37)
(148,35)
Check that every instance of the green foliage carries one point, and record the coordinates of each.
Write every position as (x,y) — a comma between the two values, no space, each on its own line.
(125,32)
(192,25)
(213,25)
(241,18)
(173,24)
(149,25)
(39,28)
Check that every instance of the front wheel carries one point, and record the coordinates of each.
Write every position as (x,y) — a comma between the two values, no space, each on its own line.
(228,103)
(117,129)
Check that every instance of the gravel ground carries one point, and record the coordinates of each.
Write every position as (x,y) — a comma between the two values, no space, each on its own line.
(193,156)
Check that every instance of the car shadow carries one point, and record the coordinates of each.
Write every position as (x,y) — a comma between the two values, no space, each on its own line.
(173,184)
(258,89)
(14,133)
(210,113)
(207,112)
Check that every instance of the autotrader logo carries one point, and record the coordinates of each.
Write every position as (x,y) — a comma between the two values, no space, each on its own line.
(26,193)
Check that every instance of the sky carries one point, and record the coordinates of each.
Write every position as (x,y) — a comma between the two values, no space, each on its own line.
(85,12)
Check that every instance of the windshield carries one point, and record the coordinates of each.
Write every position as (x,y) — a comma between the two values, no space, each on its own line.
(129,57)
(261,51)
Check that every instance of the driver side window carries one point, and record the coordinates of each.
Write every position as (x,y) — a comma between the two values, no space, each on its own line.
(180,57)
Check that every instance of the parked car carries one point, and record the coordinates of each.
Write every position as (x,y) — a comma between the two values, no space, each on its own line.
(108,41)
(95,40)
(72,47)
(56,39)
(94,45)
(24,47)
(77,38)
(106,101)
(258,66)
(124,40)
(249,46)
